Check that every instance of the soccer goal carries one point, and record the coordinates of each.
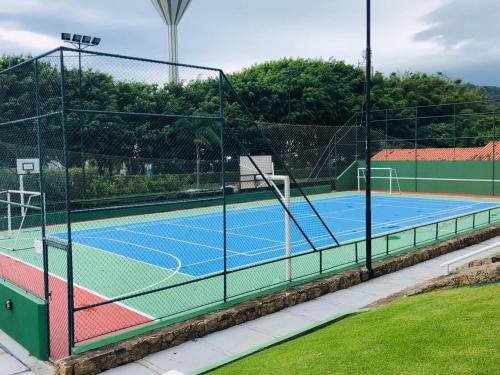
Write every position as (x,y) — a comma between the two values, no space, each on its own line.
(257,172)
(386,179)
(21,205)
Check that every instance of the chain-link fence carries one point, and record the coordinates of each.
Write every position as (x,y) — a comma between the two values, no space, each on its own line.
(446,149)
(139,213)
(155,199)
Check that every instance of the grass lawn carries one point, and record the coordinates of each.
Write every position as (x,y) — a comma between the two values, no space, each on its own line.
(453,331)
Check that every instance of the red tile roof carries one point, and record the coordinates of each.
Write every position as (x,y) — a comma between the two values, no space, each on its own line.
(458,153)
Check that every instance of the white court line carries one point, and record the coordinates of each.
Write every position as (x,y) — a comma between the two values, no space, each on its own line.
(342,218)
(98,249)
(172,274)
(362,229)
(428,201)
(169,238)
(380,225)
(99,295)
(136,245)
(413,207)
(338,234)
(221,231)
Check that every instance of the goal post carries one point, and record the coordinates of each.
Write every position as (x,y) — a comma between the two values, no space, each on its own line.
(263,175)
(17,205)
(387,174)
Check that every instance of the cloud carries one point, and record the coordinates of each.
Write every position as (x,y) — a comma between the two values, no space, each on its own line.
(20,40)
(465,33)
(430,35)
(462,24)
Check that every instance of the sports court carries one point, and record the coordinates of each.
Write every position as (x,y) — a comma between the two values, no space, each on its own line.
(191,244)
(134,269)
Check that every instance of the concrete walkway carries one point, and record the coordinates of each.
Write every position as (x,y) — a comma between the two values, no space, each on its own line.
(219,346)
(15,360)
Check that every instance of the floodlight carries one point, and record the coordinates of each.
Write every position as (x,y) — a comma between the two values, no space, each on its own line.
(76,38)
(96,41)
(66,36)
(86,39)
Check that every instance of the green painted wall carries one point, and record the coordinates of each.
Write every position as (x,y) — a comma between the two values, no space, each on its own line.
(27,321)
(438,169)
(347,180)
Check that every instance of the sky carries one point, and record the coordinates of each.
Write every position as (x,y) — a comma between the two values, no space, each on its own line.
(457,37)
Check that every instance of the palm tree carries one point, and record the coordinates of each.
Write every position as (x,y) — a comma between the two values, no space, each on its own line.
(204,136)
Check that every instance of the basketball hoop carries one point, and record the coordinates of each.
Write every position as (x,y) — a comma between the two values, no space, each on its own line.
(27,166)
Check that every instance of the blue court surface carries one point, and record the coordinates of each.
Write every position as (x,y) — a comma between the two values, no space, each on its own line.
(193,244)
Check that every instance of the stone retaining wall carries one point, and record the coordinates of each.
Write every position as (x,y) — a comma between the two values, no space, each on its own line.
(98,360)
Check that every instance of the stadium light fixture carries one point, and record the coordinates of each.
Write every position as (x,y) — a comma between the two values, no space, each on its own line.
(80,41)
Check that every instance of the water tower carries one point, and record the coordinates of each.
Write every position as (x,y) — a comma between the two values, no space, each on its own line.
(171,11)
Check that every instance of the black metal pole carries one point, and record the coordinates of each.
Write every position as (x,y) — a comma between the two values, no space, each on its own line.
(493,156)
(416,150)
(69,254)
(223,178)
(368,141)
(45,253)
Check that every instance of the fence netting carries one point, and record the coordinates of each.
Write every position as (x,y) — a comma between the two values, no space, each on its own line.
(159,194)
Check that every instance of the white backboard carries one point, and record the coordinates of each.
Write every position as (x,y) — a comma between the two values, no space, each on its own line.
(28,166)
(249,173)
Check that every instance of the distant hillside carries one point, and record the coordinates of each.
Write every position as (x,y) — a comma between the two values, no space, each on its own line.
(492,92)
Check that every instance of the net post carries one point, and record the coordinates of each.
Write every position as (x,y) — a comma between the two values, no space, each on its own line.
(9,215)
(390,181)
(21,189)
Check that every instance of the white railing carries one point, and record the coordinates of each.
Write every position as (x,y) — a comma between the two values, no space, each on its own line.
(482,251)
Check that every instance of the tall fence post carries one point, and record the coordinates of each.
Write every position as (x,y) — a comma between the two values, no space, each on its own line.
(416,149)
(493,157)
(69,252)
(45,254)
(454,131)
(223,177)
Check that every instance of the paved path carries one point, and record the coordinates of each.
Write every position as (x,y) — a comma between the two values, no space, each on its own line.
(15,360)
(219,346)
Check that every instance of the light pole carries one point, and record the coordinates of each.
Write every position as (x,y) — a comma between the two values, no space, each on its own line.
(81,42)
(368,198)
